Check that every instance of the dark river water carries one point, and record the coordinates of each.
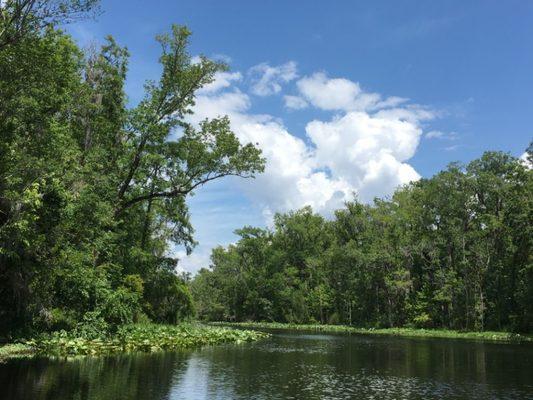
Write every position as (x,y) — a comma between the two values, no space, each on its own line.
(287,366)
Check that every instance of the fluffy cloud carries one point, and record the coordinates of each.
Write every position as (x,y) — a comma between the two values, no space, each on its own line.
(292,177)
(268,80)
(341,94)
(364,150)
(368,151)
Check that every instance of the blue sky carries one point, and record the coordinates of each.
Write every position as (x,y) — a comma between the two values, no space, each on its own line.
(344,96)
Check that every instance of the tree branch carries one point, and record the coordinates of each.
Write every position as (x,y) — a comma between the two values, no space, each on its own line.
(160,114)
(181,191)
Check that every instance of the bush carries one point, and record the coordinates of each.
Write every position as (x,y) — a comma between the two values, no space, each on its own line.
(121,306)
(134,283)
(79,288)
(168,298)
(59,319)
(92,326)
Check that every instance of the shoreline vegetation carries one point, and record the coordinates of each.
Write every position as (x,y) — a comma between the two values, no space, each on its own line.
(94,200)
(402,332)
(129,338)
(93,191)
(149,338)
(449,251)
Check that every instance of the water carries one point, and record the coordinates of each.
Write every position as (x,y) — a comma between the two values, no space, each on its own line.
(287,366)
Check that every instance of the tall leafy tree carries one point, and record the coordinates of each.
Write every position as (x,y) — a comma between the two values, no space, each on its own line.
(452,251)
(93,194)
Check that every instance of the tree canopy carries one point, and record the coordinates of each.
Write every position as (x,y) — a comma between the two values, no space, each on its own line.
(452,251)
(93,192)
(93,199)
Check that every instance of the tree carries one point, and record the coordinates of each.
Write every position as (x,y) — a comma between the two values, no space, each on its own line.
(18,18)
(452,251)
(92,191)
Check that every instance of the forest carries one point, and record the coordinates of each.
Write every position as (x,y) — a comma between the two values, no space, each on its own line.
(450,252)
(92,189)
(93,200)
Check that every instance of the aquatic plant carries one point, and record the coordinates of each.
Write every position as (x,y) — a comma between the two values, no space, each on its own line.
(14,350)
(405,332)
(141,337)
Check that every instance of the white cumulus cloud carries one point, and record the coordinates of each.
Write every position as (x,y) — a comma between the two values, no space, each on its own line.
(367,151)
(292,178)
(362,148)
(360,151)
(268,80)
(341,94)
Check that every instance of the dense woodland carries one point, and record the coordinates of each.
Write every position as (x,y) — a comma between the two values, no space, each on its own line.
(93,195)
(453,251)
(93,190)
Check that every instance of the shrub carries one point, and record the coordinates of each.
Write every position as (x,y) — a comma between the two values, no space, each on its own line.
(134,283)
(92,326)
(168,298)
(121,306)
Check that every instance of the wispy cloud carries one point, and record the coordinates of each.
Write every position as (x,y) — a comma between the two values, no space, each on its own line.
(268,80)
(442,135)
(295,102)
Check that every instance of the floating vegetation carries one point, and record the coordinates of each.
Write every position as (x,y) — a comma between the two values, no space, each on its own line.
(144,338)
(405,332)
(15,350)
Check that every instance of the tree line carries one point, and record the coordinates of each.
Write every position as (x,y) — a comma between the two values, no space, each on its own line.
(92,189)
(93,197)
(452,251)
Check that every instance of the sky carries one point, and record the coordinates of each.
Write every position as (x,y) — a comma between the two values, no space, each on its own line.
(345,98)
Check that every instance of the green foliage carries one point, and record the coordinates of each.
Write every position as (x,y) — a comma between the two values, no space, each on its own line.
(168,298)
(15,350)
(18,18)
(92,326)
(93,193)
(146,338)
(451,252)
(134,283)
(405,332)
(120,307)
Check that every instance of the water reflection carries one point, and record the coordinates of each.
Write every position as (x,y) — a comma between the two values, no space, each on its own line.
(136,376)
(288,366)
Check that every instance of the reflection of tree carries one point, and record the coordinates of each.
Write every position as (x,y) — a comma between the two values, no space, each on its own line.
(136,376)
(286,366)
(326,366)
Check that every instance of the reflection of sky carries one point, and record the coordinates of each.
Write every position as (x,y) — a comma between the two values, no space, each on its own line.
(286,366)
(195,381)
(340,367)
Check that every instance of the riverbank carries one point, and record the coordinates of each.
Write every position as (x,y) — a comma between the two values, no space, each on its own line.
(15,350)
(129,338)
(404,332)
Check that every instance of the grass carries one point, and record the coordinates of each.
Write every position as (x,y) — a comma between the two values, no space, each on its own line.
(130,338)
(405,332)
